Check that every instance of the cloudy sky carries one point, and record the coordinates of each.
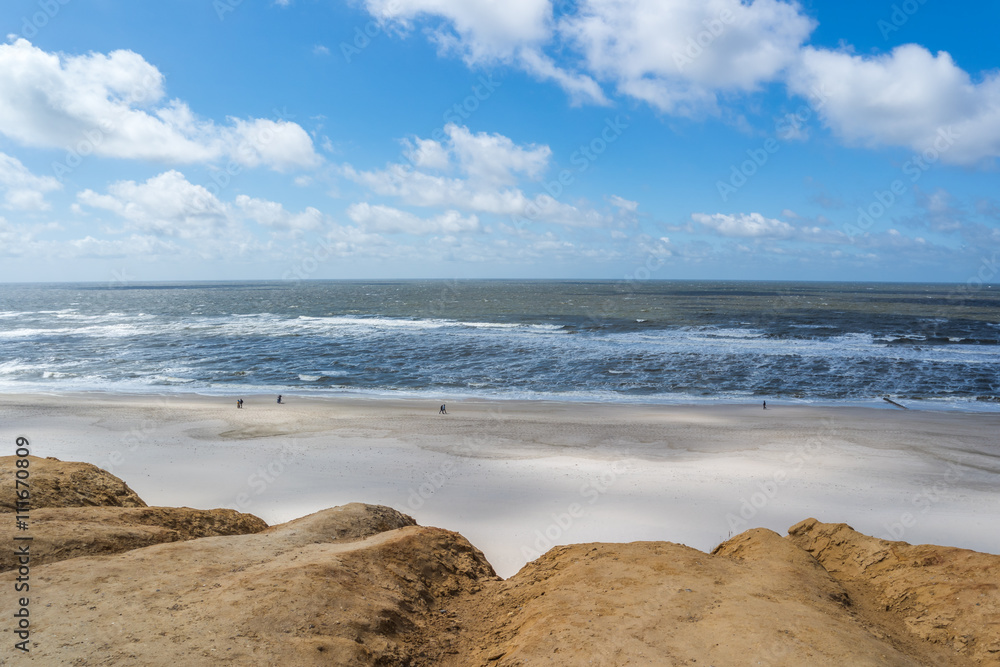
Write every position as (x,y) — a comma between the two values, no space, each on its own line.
(223,139)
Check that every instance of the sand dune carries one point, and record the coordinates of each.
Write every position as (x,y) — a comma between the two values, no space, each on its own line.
(364,585)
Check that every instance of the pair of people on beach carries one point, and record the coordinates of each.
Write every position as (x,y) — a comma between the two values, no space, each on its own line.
(239,402)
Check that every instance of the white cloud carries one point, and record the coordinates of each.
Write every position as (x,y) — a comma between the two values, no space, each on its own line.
(427,153)
(320,50)
(676,54)
(623,204)
(135,245)
(274,215)
(673,54)
(479,31)
(487,30)
(165,205)
(580,87)
(23,190)
(681,56)
(482,157)
(756,226)
(113,105)
(388,220)
(752,225)
(489,167)
(494,158)
(280,145)
(909,98)
(19,240)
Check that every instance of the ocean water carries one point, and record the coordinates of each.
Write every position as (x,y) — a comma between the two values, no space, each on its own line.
(649,341)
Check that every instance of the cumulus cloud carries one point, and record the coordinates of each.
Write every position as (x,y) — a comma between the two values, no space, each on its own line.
(485,31)
(674,54)
(477,173)
(682,56)
(21,189)
(480,31)
(388,220)
(745,225)
(114,105)
(274,215)
(756,226)
(677,54)
(581,88)
(18,240)
(482,157)
(909,98)
(136,245)
(623,204)
(494,158)
(164,205)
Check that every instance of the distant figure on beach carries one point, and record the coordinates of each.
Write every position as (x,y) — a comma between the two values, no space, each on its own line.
(239,403)
(765,405)
(279,399)
(442,411)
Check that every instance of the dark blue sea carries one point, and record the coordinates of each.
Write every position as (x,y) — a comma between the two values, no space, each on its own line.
(643,341)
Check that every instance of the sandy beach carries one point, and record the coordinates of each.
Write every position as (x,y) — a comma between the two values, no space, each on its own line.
(516,478)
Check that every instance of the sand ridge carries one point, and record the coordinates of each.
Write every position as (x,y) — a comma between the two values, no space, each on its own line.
(364,585)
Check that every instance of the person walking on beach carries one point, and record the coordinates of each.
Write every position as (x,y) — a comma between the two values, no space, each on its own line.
(765,405)
(442,411)
(279,399)
(239,403)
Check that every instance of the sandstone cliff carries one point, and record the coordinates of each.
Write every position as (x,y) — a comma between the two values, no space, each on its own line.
(364,585)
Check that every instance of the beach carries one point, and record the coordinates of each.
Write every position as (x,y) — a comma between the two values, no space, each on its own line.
(518,477)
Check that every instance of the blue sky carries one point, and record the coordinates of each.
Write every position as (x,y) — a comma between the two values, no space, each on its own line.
(303,139)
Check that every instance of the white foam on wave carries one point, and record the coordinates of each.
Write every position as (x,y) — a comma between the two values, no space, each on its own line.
(121,325)
(29,333)
(170,379)
(14,367)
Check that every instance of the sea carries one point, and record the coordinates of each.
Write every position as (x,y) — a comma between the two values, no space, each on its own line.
(933,346)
